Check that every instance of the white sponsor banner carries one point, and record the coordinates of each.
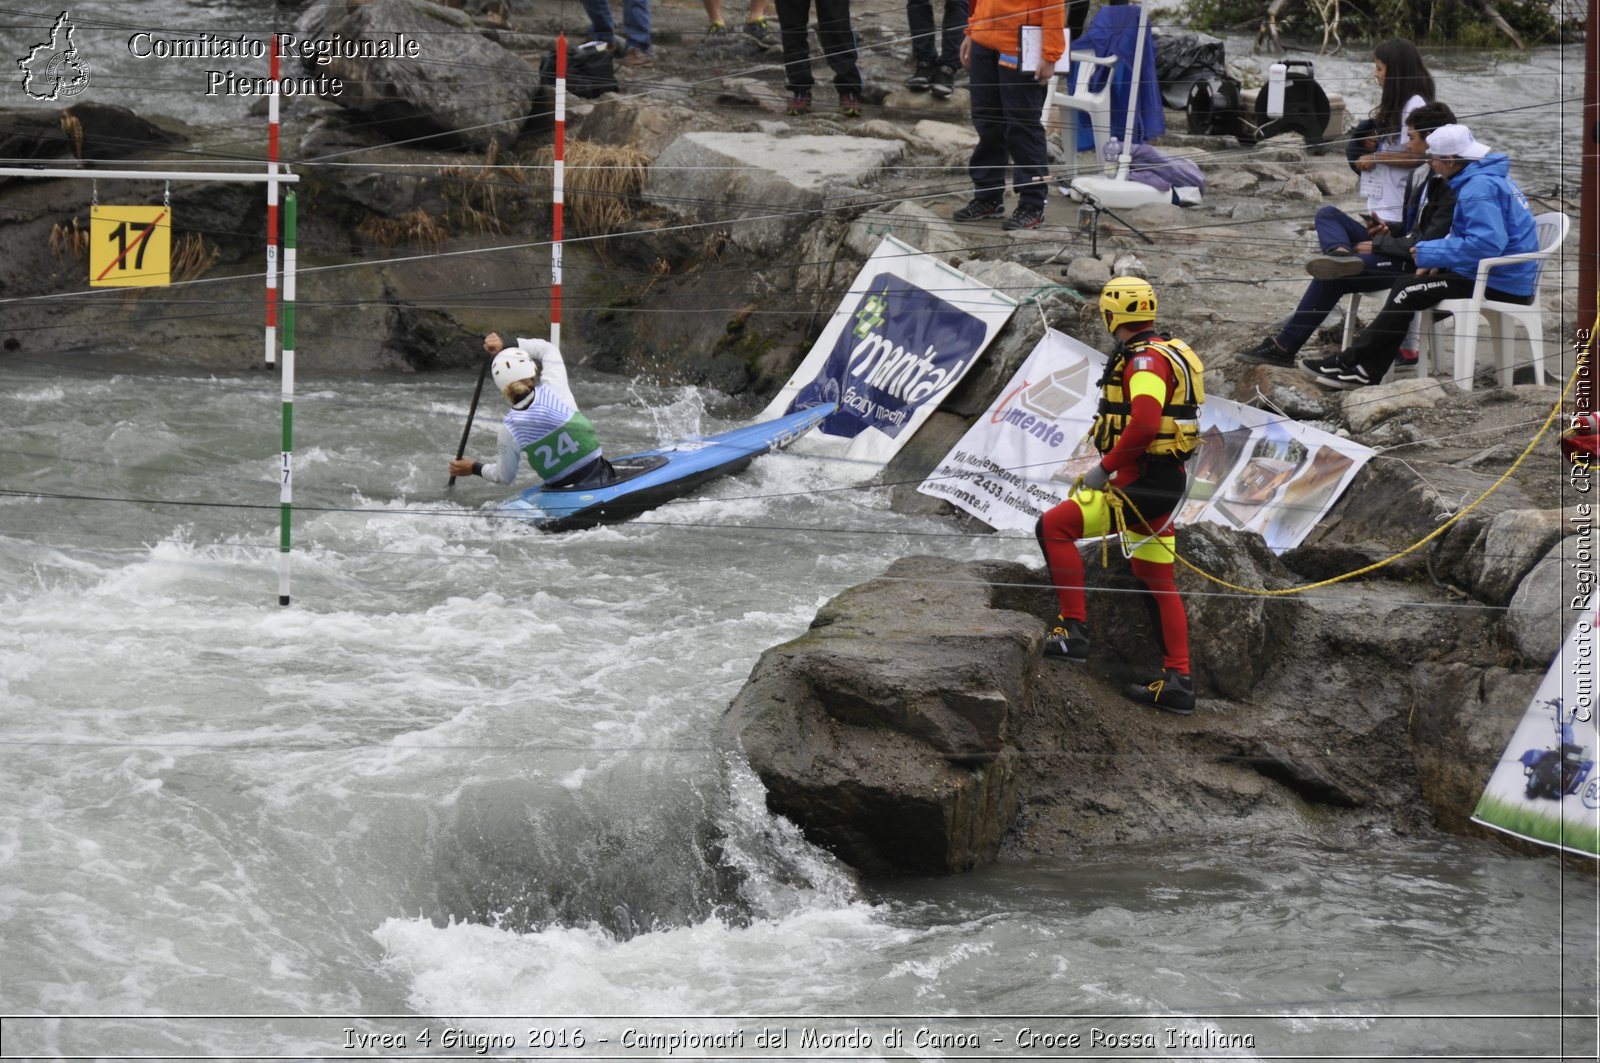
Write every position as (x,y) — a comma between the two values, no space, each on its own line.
(906,332)
(1254,471)
(1544,788)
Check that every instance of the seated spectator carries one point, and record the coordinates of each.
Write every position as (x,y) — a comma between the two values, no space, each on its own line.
(1379,253)
(1490,219)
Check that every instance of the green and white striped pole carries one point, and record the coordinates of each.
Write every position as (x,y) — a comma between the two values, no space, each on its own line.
(286,496)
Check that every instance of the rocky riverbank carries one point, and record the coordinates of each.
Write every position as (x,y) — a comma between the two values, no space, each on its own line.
(914,727)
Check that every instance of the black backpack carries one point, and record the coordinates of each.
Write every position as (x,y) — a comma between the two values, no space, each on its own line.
(590,71)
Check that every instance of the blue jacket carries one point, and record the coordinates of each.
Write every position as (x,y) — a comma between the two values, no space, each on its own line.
(1491,219)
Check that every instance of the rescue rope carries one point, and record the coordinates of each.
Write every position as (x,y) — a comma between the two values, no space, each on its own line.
(1117,500)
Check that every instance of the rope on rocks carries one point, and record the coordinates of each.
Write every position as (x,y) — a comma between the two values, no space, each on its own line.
(1118,500)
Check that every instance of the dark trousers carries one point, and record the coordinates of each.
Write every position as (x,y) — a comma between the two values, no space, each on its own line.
(838,42)
(1006,107)
(1380,341)
(919,16)
(1337,229)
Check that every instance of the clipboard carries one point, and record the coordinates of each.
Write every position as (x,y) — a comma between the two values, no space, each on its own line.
(1030,48)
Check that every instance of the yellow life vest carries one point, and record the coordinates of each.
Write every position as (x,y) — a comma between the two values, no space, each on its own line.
(1179,434)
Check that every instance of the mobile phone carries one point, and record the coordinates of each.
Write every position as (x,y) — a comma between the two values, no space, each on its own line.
(1370,219)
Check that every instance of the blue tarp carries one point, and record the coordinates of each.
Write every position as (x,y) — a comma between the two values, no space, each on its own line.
(1114,31)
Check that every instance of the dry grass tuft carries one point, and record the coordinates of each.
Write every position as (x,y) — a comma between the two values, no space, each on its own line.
(69,241)
(471,195)
(193,258)
(74,131)
(414,228)
(602,181)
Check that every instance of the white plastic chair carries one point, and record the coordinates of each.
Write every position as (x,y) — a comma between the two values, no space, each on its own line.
(1096,104)
(1502,317)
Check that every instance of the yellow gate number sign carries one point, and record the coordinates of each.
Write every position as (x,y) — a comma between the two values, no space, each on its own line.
(129,247)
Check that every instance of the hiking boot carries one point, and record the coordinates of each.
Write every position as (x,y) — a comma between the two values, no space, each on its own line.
(980,210)
(1267,352)
(800,102)
(919,81)
(1026,216)
(1172,692)
(758,30)
(943,82)
(637,57)
(1335,264)
(850,104)
(1067,640)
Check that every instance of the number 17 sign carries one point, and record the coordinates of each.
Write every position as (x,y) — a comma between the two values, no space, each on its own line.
(129,246)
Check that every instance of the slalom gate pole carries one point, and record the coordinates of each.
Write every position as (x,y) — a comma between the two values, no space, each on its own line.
(272,203)
(558,189)
(286,491)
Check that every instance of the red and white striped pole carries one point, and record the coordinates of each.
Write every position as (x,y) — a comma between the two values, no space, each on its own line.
(272,207)
(558,189)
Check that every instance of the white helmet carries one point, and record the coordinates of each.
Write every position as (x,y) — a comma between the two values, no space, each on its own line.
(514,364)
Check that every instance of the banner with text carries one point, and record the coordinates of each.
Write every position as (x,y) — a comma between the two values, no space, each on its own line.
(904,335)
(1254,471)
(1544,788)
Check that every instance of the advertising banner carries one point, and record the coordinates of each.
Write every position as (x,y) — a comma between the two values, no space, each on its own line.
(904,335)
(1255,471)
(1544,788)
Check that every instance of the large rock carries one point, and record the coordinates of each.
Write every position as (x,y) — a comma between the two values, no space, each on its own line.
(912,223)
(83,131)
(1541,609)
(462,90)
(882,731)
(767,189)
(1365,408)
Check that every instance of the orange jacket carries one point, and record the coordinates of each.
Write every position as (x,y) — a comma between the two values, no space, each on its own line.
(994,24)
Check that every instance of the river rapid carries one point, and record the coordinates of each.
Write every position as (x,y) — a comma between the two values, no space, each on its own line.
(463,796)
(469,776)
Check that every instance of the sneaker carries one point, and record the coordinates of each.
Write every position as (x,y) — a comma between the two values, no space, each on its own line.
(1408,356)
(1171,692)
(1328,372)
(979,210)
(1335,264)
(943,83)
(637,57)
(800,101)
(850,104)
(760,31)
(717,31)
(1357,376)
(1267,352)
(1068,640)
(1025,216)
(919,81)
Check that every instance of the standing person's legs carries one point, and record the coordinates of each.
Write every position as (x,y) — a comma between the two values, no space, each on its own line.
(951,33)
(636,24)
(988,164)
(602,27)
(919,19)
(838,40)
(1022,103)
(792,18)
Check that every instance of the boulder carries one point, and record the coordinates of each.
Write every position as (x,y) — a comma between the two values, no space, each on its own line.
(636,122)
(1540,612)
(882,730)
(1302,188)
(1088,274)
(82,131)
(1367,407)
(770,188)
(461,91)
(1512,544)
(910,222)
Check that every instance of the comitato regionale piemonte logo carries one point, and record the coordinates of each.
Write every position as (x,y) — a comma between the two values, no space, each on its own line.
(53,69)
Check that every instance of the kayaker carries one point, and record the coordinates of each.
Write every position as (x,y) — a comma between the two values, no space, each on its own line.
(544,421)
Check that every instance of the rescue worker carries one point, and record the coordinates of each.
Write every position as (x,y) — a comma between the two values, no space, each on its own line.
(544,421)
(1146,427)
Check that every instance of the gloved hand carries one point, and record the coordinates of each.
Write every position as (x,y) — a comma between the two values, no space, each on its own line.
(1096,478)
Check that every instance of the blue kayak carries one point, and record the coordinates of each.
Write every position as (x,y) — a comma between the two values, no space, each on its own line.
(656,476)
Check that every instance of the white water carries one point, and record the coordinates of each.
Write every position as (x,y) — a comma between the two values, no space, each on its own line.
(470,775)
